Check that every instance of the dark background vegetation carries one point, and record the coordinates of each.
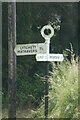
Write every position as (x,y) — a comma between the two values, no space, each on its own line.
(31,17)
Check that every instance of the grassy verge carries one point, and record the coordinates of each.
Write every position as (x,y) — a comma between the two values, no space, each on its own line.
(63,91)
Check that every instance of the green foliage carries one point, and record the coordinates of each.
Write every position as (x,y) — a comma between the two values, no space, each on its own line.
(63,91)
(29,88)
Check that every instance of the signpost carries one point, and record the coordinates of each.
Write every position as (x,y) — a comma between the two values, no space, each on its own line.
(50,57)
(30,49)
(41,50)
(47,32)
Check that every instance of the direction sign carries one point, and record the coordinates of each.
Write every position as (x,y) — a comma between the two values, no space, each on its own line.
(56,57)
(30,49)
(41,57)
(49,57)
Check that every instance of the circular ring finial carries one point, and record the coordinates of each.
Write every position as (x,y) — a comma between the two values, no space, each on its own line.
(47,31)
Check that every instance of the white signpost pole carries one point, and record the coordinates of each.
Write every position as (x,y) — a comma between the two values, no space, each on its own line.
(47,32)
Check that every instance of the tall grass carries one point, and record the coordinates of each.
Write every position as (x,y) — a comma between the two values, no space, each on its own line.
(63,90)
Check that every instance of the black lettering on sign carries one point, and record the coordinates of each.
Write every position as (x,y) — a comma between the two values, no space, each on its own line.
(24,51)
(35,50)
(54,57)
(27,47)
(34,46)
(40,48)
(19,51)
(27,50)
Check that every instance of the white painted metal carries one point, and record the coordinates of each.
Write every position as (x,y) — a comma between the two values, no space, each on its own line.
(41,57)
(41,50)
(43,33)
(30,49)
(55,57)
(51,57)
